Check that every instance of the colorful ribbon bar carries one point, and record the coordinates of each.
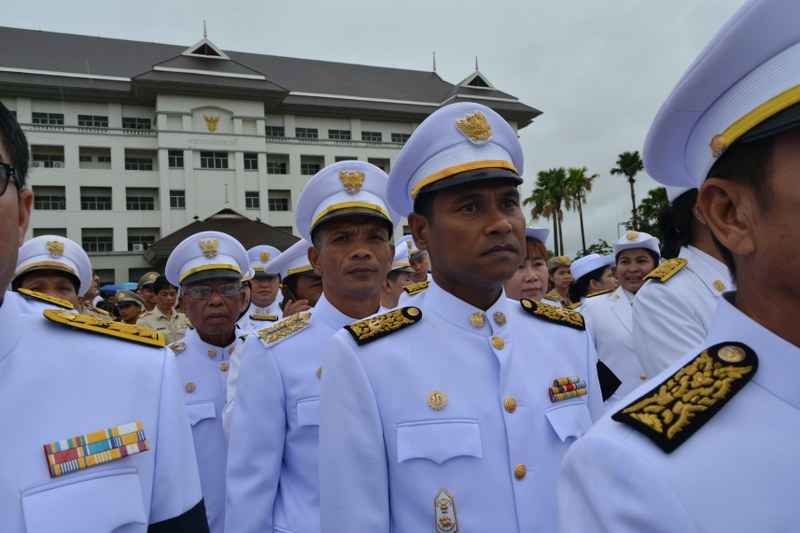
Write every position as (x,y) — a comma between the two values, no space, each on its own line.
(568,387)
(92,449)
(567,395)
(560,382)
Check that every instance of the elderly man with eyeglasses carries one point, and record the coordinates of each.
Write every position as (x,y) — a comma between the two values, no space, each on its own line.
(208,267)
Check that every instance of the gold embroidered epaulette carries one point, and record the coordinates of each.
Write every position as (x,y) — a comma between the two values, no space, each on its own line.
(243,337)
(379,326)
(264,318)
(667,269)
(678,407)
(42,297)
(574,306)
(284,329)
(120,330)
(416,288)
(559,315)
(598,293)
(553,297)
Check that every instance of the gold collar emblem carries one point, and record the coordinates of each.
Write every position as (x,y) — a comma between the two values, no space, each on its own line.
(209,247)
(264,257)
(632,236)
(352,180)
(475,127)
(211,122)
(56,248)
(477,319)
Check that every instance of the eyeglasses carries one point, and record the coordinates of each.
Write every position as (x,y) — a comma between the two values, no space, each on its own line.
(203,292)
(7,172)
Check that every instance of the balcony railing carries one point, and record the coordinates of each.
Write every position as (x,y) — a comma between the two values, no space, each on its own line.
(92,130)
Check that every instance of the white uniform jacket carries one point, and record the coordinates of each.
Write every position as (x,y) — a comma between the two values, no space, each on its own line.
(673,317)
(736,473)
(58,382)
(203,369)
(274,442)
(609,320)
(260,317)
(449,412)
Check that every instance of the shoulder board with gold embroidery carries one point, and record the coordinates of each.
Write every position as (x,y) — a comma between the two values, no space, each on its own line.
(91,310)
(679,406)
(416,288)
(574,306)
(555,314)
(264,318)
(667,269)
(42,297)
(284,329)
(598,293)
(243,337)
(368,330)
(120,330)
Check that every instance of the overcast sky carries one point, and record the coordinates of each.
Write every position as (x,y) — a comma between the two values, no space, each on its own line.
(598,70)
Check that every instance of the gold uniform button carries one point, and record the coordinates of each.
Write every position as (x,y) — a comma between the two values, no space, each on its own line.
(520,471)
(319,372)
(643,377)
(212,353)
(510,404)
(224,367)
(498,343)
(190,387)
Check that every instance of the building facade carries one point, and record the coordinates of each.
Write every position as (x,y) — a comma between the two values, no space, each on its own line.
(132,141)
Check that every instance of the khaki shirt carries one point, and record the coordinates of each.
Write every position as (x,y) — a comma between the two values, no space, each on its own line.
(173,328)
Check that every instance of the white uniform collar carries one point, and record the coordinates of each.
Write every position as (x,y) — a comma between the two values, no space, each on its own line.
(711,271)
(464,315)
(325,311)
(10,323)
(214,353)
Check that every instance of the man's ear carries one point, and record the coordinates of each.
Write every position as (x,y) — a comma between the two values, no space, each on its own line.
(419,226)
(25,205)
(730,210)
(313,258)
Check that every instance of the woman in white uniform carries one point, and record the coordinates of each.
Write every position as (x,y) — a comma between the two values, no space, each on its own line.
(593,276)
(609,318)
(530,279)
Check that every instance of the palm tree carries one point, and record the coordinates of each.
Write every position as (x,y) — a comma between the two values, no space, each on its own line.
(547,197)
(629,164)
(577,187)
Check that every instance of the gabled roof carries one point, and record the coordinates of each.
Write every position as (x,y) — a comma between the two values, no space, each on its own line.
(247,231)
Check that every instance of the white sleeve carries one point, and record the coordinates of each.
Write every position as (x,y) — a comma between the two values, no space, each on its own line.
(233,381)
(354,484)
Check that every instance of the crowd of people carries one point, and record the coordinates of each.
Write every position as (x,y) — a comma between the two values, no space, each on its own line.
(458,379)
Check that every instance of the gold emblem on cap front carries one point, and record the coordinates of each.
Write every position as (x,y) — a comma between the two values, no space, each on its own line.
(632,235)
(264,257)
(718,145)
(55,248)
(352,180)
(475,127)
(437,400)
(731,354)
(210,247)
(477,319)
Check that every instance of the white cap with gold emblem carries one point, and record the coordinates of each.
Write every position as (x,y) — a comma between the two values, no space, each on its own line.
(636,239)
(260,256)
(207,255)
(53,252)
(293,260)
(340,189)
(458,143)
(590,263)
(402,254)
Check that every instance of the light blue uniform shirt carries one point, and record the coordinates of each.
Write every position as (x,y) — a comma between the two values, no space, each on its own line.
(386,453)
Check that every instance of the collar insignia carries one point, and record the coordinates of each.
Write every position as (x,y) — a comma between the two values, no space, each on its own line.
(475,127)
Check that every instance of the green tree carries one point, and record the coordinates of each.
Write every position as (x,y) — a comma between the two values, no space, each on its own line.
(629,164)
(578,185)
(647,211)
(600,247)
(547,198)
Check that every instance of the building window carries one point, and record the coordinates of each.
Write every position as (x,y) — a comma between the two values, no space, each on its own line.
(92,121)
(339,135)
(400,137)
(213,159)
(177,199)
(140,203)
(48,119)
(85,159)
(372,136)
(279,200)
(345,158)
(48,160)
(306,133)
(97,243)
(104,159)
(309,169)
(95,203)
(49,198)
(138,163)
(250,161)
(276,167)
(175,158)
(140,243)
(61,232)
(136,123)
(274,131)
(251,200)
(382,164)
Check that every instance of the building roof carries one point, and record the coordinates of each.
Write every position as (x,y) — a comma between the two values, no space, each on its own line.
(248,232)
(38,62)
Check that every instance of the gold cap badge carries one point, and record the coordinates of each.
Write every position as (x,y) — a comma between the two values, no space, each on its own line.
(352,180)
(211,122)
(56,248)
(718,145)
(632,235)
(475,127)
(264,257)
(209,247)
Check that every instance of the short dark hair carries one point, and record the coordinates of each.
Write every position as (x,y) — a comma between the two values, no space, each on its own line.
(747,163)
(423,204)
(16,143)
(160,283)
(676,224)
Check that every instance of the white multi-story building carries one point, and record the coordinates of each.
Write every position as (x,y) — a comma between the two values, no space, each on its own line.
(132,141)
